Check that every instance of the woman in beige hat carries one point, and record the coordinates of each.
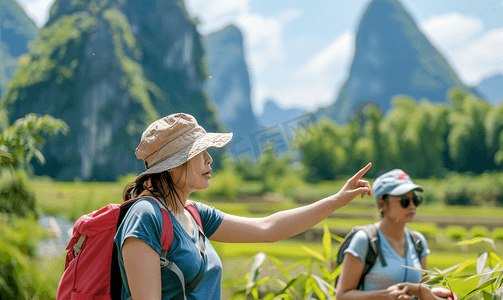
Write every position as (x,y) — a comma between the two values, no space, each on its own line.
(174,152)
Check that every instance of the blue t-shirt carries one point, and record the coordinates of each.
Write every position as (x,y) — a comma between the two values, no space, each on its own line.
(144,221)
(379,277)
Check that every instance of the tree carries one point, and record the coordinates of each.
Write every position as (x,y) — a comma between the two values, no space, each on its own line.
(22,141)
(467,135)
(494,135)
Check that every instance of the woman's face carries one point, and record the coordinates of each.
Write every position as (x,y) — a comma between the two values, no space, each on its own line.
(195,176)
(396,212)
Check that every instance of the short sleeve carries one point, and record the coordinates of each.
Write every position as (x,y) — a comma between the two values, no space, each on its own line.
(210,218)
(143,221)
(359,245)
(426,250)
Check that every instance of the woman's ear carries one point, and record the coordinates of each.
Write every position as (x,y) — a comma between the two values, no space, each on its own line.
(380,203)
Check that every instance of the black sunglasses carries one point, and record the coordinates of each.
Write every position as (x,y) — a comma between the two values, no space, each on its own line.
(405,201)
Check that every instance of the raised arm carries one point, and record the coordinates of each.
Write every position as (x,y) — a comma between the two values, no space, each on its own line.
(287,223)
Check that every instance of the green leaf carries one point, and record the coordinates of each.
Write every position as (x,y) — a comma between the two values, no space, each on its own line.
(238,295)
(494,258)
(235,282)
(269,296)
(313,253)
(436,280)
(478,288)
(422,271)
(3,153)
(256,269)
(477,240)
(463,266)
(337,238)
(280,266)
(450,269)
(484,273)
(481,262)
(327,242)
(498,279)
(291,283)
(486,296)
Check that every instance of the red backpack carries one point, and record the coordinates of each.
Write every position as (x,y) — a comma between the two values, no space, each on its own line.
(92,268)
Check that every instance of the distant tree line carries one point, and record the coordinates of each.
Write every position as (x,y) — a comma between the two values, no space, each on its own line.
(424,139)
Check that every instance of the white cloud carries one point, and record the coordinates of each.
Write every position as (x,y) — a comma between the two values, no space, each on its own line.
(481,58)
(332,58)
(316,82)
(472,55)
(451,31)
(263,35)
(37,10)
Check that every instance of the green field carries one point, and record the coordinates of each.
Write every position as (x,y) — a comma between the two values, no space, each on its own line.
(70,200)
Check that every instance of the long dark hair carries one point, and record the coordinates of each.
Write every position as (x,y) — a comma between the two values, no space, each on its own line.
(162,186)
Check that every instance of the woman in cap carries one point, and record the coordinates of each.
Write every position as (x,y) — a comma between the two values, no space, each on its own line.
(173,150)
(397,202)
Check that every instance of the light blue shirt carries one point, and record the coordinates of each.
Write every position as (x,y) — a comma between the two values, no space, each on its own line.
(144,221)
(379,277)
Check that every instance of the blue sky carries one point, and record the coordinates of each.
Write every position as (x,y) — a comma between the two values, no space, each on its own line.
(299,52)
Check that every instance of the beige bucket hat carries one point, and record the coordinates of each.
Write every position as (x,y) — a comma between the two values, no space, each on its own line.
(171,141)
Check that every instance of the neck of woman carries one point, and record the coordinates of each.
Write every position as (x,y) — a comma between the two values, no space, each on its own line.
(392,229)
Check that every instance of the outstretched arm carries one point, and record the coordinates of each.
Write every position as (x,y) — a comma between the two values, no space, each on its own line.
(287,223)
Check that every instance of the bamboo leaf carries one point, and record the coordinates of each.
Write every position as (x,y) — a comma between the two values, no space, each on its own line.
(484,273)
(463,266)
(280,266)
(494,258)
(313,253)
(478,288)
(256,269)
(435,280)
(481,262)
(486,296)
(327,242)
(450,269)
(422,271)
(337,238)
(3,153)
(291,283)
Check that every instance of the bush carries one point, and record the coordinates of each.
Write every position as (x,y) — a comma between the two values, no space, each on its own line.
(19,239)
(428,230)
(478,231)
(15,197)
(225,184)
(456,232)
(498,233)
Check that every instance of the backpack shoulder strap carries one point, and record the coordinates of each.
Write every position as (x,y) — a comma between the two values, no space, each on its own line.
(418,243)
(195,214)
(373,252)
(167,226)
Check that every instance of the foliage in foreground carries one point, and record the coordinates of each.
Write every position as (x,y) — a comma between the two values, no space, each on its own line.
(22,141)
(24,275)
(307,285)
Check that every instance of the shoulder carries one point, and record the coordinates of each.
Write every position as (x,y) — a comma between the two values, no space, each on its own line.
(203,209)
(145,206)
(358,246)
(415,235)
(360,236)
(210,217)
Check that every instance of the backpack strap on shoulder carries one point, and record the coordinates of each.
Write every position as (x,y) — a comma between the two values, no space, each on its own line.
(418,243)
(373,252)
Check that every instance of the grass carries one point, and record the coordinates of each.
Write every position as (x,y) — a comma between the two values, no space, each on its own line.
(72,199)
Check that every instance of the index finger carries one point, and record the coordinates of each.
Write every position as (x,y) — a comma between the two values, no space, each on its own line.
(362,172)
